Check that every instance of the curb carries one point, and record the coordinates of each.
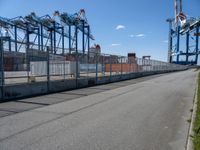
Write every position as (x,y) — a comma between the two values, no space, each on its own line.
(189,144)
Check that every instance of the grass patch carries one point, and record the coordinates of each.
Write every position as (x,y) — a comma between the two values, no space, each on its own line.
(196,139)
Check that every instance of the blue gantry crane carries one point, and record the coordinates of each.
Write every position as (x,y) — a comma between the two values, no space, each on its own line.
(40,33)
(80,23)
(184,35)
(46,38)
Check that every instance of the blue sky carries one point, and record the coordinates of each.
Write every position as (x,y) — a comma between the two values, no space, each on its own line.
(142,26)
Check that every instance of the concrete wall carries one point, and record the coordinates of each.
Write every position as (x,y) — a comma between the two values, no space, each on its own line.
(40,88)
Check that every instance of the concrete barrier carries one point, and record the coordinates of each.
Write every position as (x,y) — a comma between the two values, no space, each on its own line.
(24,90)
(40,88)
(58,86)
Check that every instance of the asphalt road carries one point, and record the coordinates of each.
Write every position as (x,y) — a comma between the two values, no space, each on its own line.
(20,105)
(149,115)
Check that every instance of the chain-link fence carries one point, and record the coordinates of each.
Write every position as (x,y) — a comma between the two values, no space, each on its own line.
(31,65)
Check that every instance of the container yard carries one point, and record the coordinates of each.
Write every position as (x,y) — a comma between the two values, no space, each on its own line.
(57,48)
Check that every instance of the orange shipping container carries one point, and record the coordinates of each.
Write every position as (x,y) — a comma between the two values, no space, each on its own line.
(122,67)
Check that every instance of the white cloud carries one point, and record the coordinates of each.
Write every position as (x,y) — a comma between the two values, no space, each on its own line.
(114,45)
(165,41)
(119,27)
(140,35)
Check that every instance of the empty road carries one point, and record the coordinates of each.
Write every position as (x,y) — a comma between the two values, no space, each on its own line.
(148,115)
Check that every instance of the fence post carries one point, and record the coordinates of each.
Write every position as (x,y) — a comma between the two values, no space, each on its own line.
(96,67)
(64,69)
(129,66)
(48,69)
(77,74)
(27,51)
(2,68)
(103,66)
(110,66)
(121,66)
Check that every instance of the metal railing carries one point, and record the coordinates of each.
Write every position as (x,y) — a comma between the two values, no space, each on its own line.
(33,66)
